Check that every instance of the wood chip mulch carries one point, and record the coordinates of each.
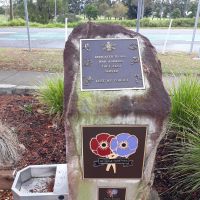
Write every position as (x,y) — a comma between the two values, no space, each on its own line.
(44,140)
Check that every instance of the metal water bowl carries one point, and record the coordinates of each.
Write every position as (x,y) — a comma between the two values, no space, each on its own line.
(41,182)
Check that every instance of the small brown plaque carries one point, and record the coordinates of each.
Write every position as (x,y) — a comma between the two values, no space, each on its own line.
(112,194)
(110,64)
(113,151)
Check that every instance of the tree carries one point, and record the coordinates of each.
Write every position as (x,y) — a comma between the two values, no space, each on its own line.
(103,7)
(119,10)
(169,6)
(41,11)
(132,8)
(108,13)
(109,2)
(65,7)
(193,8)
(158,9)
(148,8)
(176,13)
(2,11)
(91,12)
(11,10)
(163,8)
(75,6)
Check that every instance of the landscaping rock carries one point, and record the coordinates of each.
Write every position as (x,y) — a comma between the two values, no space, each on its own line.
(132,107)
(10,149)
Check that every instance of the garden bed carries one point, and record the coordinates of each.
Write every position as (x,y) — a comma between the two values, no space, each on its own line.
(164,182)
(44,140)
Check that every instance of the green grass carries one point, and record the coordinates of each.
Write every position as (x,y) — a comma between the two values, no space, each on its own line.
(145,22)
(52,61)
(184,150)
(179,63)
(180,162)
(185,102)
(186,170)
(184,153)
(51,94)
(36,60)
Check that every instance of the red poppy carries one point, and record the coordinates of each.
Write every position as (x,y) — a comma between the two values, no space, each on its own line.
(100,145)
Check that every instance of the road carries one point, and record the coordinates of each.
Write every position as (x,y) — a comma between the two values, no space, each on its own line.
(179,39)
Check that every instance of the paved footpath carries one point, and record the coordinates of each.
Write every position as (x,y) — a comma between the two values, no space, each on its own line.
(21,82)
(24,82)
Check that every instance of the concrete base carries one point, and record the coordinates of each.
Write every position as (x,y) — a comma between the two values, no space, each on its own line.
(41,182)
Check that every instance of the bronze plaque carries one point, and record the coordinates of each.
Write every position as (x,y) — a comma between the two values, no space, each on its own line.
(112,194)
(110,64)
(113,151)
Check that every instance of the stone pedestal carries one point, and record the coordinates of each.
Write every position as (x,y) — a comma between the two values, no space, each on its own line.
(149,107)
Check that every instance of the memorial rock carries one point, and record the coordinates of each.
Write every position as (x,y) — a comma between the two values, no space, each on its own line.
(116,110)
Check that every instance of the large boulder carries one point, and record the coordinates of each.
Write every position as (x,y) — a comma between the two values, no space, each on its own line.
(150,106)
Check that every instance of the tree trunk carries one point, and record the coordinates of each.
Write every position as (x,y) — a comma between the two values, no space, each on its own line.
(142,12)
(11,10)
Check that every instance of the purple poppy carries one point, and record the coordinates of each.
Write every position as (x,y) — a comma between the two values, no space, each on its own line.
(124,144)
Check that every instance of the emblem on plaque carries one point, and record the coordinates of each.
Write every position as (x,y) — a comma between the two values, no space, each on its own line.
(111,147)
(113,151)
(86,47)
(87,80)
(134,60)
(133,46)
(109,46)
(112,194)
(87,62)
(137,78)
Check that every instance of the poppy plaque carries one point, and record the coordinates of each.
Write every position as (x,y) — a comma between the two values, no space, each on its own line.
(113,151)
(110,64)
(112,194)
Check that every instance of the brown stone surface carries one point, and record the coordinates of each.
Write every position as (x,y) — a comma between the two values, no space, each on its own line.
(151,106)
(6,179)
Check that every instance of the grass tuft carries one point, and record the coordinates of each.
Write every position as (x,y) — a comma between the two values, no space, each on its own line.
(50,94)
(185,153)
(185,102)
(183,140)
